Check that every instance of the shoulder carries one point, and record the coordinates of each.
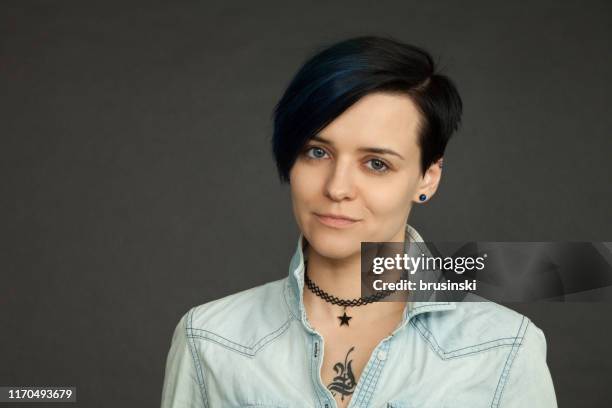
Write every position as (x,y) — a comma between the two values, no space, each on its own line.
(238,306)
(477,326)
(244,321)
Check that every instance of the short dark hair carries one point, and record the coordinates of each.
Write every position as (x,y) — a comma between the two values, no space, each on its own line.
(338,76)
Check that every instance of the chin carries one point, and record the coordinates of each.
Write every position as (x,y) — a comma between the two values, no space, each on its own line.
(334,244)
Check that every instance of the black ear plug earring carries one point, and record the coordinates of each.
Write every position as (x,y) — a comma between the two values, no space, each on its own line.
(422,197)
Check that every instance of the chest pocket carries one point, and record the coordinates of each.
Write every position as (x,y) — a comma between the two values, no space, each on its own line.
(247,348)
(447,348)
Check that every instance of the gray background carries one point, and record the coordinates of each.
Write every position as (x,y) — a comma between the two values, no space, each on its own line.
(137,179)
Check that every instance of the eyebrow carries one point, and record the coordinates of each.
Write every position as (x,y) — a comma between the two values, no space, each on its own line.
(379,150)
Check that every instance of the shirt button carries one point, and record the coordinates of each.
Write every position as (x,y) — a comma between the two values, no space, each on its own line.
(382,355)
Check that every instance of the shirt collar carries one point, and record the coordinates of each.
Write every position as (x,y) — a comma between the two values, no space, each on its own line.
(294,289)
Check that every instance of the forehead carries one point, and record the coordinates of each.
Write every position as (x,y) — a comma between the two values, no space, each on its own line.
(377,119)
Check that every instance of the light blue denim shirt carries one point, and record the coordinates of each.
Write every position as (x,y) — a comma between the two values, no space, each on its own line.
(256,348)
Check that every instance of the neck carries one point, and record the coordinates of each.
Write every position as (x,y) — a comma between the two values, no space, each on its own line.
(342,279)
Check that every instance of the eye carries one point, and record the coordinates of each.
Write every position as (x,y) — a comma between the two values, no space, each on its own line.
(378,166)
(317,152)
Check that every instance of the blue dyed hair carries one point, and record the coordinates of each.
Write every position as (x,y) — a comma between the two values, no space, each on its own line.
(338,76)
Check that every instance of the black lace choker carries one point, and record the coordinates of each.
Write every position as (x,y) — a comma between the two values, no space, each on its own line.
(344,319)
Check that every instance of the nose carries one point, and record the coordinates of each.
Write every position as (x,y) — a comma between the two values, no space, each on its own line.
(340,184)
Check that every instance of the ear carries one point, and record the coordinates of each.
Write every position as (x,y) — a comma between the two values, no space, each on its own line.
(429,182)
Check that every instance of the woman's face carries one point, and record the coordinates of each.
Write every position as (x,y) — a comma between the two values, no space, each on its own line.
(365,165)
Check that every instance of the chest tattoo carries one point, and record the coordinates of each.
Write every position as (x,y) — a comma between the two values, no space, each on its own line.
(344,380)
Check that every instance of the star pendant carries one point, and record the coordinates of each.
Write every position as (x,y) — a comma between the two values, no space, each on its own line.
(344,319)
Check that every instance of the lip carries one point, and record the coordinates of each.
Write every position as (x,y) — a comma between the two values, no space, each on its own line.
(336,221)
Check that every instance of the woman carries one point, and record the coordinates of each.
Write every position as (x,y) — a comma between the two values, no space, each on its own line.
(359,136)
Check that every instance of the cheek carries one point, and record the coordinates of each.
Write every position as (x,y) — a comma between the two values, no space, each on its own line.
(390,199)
(304,187)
